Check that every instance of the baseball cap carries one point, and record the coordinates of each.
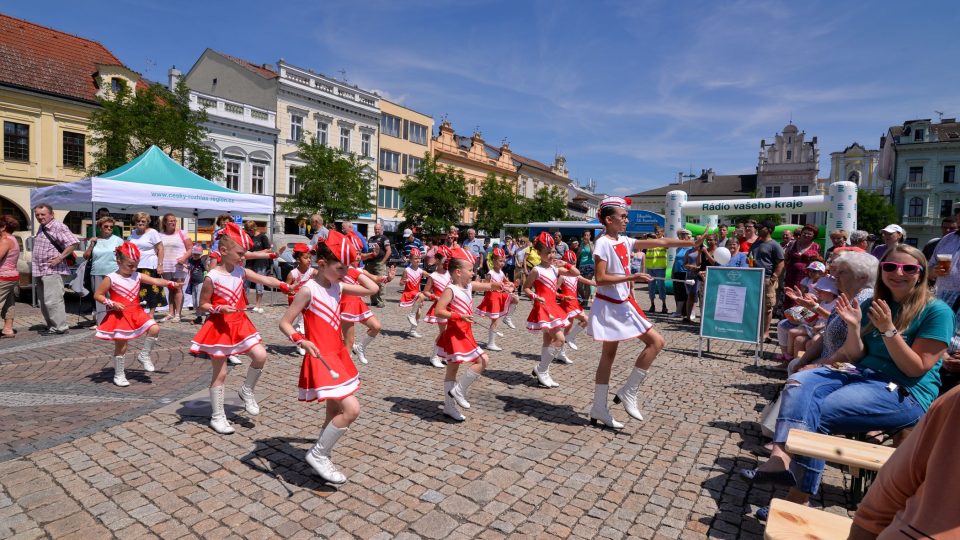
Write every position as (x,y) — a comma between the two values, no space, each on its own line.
(892,228)
(827,284)
(197,249)
(407,233)
(817,266)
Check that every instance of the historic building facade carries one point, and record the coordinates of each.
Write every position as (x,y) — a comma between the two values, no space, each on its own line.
(405,139)
(788,168)
(858,165)
(707,186)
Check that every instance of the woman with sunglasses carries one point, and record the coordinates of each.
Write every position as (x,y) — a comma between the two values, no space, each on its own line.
(101,252)
(895,342)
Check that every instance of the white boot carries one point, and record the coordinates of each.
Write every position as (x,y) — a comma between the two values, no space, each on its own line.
(144,356)
(361,347)
(509,322)
(542,370)
(218,419)
(459,390)
(234,360)
(574,332)
(492,341)
(119,376)
(414,333)
(449,404)
(246,391)
(319,456)
(562,355)
(412,317)
(599,412)
(628,392)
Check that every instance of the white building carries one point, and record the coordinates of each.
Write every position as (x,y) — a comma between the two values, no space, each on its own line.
(858,165)
(789,168)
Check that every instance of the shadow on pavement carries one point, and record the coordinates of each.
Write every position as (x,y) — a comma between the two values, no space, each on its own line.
(414,359)
(526,356)
(105,375)
(425,409)
(278,457)
(543,411)
(511,377)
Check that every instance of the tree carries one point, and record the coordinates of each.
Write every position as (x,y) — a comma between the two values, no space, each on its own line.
(333,183)
(874,211)
(547,204)
(434,197)
(128,123)
(496,204)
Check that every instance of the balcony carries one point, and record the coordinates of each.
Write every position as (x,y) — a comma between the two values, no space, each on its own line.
(919,185)
(920,221)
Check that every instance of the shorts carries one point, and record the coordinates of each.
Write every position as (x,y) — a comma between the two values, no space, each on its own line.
(770,292)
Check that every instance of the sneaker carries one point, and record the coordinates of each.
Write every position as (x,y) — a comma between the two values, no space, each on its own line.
(198,320)
(234,360)
(258,310)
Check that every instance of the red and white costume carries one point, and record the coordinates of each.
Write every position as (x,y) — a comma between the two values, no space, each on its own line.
(411,287)
(615,315)
(130,323)
(322,322)
(300,279)
(546,314)
(495,304)
(353,308)
(440,284)
(225,334)
(456,344)
(568,292)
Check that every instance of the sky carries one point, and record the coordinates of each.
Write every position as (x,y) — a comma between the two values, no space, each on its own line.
(630,92)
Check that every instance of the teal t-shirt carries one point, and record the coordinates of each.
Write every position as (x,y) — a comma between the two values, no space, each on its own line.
(103,257)
(936,322)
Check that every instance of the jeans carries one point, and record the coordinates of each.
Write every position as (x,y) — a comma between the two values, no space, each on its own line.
(659,286)
(834,403)
(52,306)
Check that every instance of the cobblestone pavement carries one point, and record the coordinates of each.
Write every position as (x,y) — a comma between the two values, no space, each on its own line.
(82,458)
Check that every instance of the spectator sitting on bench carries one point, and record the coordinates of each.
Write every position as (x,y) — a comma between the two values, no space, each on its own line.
(897,340)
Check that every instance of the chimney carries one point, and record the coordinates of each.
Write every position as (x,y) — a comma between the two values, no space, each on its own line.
(680,178)
(173,78)
(709,175)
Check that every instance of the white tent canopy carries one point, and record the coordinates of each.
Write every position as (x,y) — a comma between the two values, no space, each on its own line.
(152,182)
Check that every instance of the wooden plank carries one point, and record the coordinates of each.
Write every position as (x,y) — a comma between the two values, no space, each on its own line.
(789,520)
(838,450)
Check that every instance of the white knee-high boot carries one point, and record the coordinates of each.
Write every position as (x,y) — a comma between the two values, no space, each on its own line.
(246,391)
(319,456)
(542,370)
(144,356)
(362,345)
(459,390)
(572,336)
(449,403)
(629,391)
(492,340)
(600,412)
(119,375)
(218,418)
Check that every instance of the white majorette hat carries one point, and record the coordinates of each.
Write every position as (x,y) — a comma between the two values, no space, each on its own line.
(622,202)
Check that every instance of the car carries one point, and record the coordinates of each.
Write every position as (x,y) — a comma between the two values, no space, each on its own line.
(285,260)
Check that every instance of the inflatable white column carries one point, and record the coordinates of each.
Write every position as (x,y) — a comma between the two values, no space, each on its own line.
(675,200)
(842,213)
(711,222)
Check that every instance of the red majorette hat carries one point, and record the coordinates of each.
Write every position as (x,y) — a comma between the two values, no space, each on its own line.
(415,252)
(301,248)
(445,252)
(546,239)
(622,202)
(341,246)
(499,253)
(570,257)
(129,250)
(234,232)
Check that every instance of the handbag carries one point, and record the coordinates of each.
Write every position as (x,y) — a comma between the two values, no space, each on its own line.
(70,259)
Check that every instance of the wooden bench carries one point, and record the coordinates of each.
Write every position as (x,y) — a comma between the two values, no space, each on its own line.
(789,520)
(858,456)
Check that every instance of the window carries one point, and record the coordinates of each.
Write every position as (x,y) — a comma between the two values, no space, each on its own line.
(918,135)
(418,134)
(74,153)
(388,197)
(946,208)
(116,84)
(801,191)
(232,175)
(344,140)
(798,219)
(413,164)
(257,174)
(296,127)
(390,125)
(365,145)
(771,191)
(789,155)
(16,141)
(389,161)
(294,186)
(322,136)
(950,174)
(916,207)
(916,174)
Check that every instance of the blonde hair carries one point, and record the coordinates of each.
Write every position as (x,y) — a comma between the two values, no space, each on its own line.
(915,302)
(105,219)
(141,215)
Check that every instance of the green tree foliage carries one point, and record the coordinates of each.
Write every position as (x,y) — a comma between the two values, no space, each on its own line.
(874,211)
(333,183)
(547,204)
(496,204)
(434,197)
(128,123)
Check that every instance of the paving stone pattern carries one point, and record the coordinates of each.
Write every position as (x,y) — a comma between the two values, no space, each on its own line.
(524,464)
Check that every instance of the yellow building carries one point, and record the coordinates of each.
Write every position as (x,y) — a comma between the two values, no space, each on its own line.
(405,138)
(49,84)
(475,158)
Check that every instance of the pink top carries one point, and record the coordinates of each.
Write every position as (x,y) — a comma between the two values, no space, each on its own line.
(8,266)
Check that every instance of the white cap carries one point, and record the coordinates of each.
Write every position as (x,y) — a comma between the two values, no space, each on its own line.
(407,233)
(893,227)
(827,284)
(817,266)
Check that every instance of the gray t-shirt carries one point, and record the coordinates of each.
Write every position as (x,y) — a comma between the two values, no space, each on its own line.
(766,255)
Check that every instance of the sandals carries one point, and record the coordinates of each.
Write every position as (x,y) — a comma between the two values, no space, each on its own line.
(780,478)
(6,335)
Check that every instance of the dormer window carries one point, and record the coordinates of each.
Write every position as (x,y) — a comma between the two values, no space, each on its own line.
(918,135)
(116,83)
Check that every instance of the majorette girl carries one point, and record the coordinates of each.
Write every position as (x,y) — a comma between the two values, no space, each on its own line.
(411,298)
(615,315)
(228,331)
(125,319)
(437,282)
(354,310)
(546,315)
(568,302)
(327,373)
(496,304)
(301,274)
(456,343)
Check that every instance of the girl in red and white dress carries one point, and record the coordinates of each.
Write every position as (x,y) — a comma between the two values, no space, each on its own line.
(437,282)
(125,319)
(496,304)
(569,303)
(228,331)
(301,274)
(456,343)
(411,297)
(327,373)
(354,310)
(546,315)
(615,316)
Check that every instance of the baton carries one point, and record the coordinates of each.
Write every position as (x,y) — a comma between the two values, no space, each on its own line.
(685,281)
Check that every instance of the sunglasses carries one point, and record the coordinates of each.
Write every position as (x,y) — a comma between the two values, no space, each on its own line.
(106,226)
(908,269)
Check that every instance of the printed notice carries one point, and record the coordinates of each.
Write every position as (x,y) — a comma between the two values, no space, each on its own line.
(730,303)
